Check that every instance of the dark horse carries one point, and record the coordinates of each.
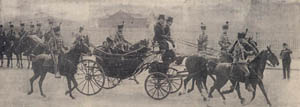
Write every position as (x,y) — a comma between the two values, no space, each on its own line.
(29,43)
(256,66)
(42,64)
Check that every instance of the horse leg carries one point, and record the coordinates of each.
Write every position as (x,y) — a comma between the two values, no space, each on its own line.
(185,82)
(18,60)
(218,84)
(192,88)
(43,75)
(262,88)
(234,84)
(21,60)
(253,93)
(28,59)
(204,83)
(32,79)
(75,85)
(238,91)
(70,87)
(198,83)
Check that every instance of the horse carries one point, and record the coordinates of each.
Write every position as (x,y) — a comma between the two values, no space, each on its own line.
(8,52)
(256,66)
(17,52)
(67,66)
(29,43)
(197,71)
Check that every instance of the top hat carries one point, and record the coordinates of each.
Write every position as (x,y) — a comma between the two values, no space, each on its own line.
(161,16)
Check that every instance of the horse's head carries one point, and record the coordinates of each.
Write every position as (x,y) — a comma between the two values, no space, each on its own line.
(82,48)
(271,57)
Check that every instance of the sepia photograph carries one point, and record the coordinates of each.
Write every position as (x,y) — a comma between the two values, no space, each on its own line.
(149,53)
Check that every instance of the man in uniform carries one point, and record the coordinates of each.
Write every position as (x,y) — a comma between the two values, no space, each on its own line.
(119,39)
(39,31)
(286,60)
(240,51)
(167,30)
(22,32)
(31,30)
(56,47)
(203,39)
(50,32)
(2,43)
(79,36)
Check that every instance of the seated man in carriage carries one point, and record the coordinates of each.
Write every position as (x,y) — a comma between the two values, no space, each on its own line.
(162,36)
(120,43)
(241,50)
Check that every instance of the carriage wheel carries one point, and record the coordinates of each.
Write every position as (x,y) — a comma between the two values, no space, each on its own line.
(157,86)
(176,82)
(90,77)
(111,82)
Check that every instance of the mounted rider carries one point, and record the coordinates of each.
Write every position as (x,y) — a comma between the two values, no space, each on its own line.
(224,40)
(39,31)
(80,36)
(2,43)
(241,50)
(31,30)
(11,35)
(22,31)
(203,39)
(56,48)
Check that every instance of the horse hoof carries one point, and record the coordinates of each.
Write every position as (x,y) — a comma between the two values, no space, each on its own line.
(44,95)
(72,97)
(189,91)
(179,94)
(210,96)
(29,93)
(67,92)
(242,100)
(204,99)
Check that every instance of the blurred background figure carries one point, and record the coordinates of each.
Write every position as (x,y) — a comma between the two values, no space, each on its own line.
(285,55)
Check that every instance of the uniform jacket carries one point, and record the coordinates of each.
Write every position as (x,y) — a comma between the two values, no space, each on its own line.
(39,33)
(159,33)
(2,39)
(241,51)
(285,54)
(224,42)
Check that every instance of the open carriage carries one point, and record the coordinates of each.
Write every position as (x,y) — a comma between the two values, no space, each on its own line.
(109,69)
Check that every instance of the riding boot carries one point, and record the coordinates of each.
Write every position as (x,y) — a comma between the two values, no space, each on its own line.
(248,84)
(56,71)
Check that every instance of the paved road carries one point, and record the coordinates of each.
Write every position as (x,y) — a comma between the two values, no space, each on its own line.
(15,85)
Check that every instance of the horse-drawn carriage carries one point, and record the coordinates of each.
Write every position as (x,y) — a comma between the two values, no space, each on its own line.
(107,70)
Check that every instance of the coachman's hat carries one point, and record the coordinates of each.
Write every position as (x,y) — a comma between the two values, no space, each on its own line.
(170,19)
(161,16)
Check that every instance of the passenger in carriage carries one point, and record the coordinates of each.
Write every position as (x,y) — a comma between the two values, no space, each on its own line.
(167,30)
(120,43)
(79,35)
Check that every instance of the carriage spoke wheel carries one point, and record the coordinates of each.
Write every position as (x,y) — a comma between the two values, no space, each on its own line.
(111,82)
(175,81)
(89,77)
(157,86)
